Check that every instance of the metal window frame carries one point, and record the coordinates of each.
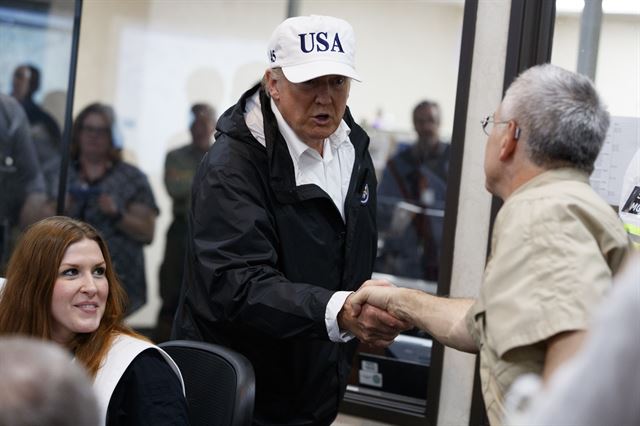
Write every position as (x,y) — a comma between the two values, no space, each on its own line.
(68,115)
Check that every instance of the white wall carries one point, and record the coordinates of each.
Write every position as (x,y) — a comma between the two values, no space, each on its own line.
(618,68)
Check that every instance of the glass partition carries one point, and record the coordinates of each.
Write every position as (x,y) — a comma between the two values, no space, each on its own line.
(149,62)
(36,40)
(156,68)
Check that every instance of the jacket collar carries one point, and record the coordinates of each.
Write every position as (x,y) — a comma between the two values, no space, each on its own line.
(232,124)
(281,171)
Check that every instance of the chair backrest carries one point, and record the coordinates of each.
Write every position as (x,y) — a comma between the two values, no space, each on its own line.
(219,383)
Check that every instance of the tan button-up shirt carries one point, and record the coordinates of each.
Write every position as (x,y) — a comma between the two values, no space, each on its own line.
(554,248)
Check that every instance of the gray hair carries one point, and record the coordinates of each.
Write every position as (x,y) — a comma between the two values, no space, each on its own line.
(41,385)
(278,74)
(562,119)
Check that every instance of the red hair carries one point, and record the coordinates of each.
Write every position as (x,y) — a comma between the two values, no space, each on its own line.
(25,301)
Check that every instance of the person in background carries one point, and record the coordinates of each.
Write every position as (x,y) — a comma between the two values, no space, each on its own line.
(282,228)
(42,386)
(429,149)
(555,244)
(61,286)
(45,132)
(179,167)
(22,187)
(113,196)
(411,199)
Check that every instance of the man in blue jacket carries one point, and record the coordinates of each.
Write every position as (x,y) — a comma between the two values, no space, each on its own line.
(283,229)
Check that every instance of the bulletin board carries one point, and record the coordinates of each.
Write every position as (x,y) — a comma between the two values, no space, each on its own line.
(620,145)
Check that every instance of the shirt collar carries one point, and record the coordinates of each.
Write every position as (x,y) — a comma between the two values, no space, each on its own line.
(553,175)
(253,117)
(296,146)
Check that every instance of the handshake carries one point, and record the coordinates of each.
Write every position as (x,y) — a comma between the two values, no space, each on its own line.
(376,313)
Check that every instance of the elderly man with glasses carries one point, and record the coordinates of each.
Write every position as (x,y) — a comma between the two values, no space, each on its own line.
(555,244)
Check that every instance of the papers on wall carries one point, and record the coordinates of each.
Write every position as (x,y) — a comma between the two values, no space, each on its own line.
(621,143)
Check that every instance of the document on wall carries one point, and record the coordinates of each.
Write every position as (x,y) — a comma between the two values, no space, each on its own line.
(621,143)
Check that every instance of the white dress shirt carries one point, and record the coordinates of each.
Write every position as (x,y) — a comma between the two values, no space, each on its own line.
(330,171)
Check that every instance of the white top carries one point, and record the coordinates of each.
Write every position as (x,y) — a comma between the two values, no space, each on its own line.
(123,351)
(331,172)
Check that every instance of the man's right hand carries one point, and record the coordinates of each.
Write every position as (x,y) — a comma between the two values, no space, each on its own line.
(387,298)
(443,318)
(370,324)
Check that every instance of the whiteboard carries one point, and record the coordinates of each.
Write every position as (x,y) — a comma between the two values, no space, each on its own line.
(621,143)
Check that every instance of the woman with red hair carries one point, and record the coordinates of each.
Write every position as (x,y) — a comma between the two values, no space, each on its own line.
(61,286)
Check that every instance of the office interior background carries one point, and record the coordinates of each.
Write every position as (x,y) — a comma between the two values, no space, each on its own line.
(152,59)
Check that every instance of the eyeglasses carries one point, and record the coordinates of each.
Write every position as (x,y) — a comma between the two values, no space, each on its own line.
(94,130)
(489,119)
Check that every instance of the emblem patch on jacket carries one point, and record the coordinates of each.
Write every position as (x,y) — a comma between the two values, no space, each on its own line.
(365,194)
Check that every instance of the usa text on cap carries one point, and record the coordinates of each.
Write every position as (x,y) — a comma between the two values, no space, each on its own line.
(307,47)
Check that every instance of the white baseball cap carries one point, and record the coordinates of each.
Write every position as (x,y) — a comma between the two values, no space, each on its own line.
(307,47)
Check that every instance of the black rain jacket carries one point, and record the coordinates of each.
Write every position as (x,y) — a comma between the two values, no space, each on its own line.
(263,259)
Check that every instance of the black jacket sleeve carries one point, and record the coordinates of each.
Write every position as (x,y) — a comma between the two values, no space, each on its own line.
(148,393)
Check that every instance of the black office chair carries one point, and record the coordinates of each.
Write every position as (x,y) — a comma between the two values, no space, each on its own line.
(219,383)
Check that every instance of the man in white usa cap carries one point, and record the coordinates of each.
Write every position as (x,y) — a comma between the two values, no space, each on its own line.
(282,229)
